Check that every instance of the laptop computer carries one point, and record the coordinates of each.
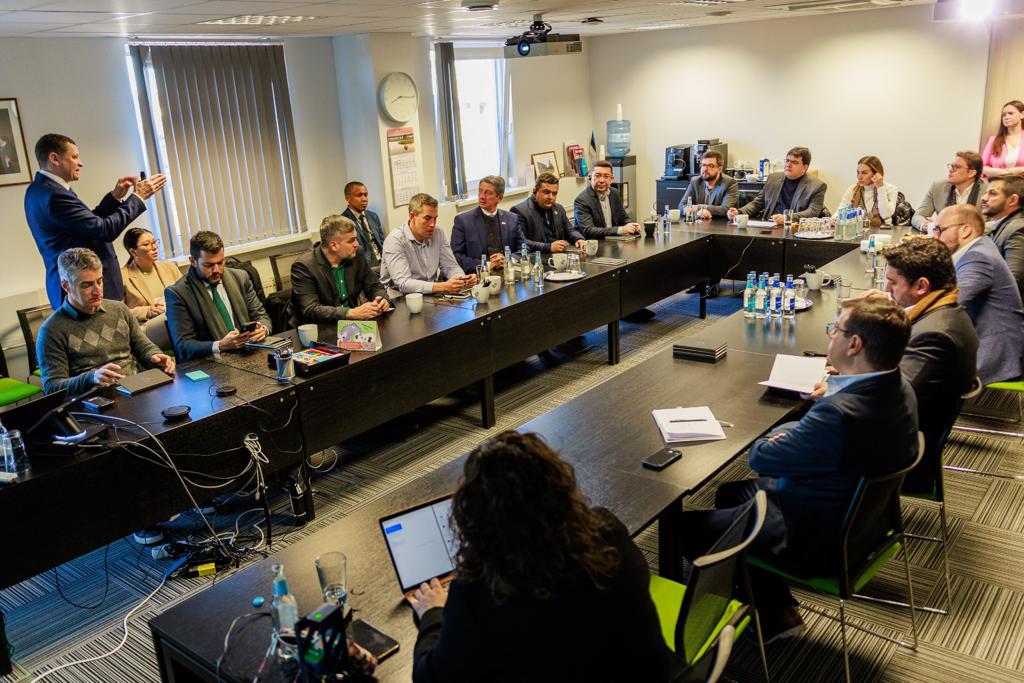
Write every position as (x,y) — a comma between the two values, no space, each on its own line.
(422,543)
(143,381)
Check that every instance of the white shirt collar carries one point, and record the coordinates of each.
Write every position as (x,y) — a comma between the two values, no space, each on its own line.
(489,214)
(57,179)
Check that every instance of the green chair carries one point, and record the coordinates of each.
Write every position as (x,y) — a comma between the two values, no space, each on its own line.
(1017,387)
(694,616)
(11,390)
(871,535)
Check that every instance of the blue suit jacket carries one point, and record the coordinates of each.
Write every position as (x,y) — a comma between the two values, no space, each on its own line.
(469,237)
(811,473)
(989,292)
(59,220)
(375,228)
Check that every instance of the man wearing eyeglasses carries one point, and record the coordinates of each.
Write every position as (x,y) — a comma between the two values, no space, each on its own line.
(792,190)
(963,185)
(714,190)
(598,209)
(987,291)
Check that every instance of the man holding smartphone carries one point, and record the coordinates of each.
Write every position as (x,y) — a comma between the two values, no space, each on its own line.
(213,309)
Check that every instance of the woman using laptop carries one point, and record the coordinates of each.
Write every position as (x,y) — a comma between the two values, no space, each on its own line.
(547,588)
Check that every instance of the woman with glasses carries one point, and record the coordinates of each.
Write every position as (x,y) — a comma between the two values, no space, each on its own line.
(1004,155)
(145,279)
(547,588)
(871,193)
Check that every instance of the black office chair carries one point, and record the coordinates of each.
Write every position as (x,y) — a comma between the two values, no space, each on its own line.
(31,319)
(282,267)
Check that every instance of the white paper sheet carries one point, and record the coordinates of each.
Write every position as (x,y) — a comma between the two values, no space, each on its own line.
(796,373)
(678,425)
(761,224)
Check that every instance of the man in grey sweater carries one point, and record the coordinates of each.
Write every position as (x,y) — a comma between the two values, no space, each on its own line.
(89,341)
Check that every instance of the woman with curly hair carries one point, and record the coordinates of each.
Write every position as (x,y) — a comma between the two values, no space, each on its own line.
(547,588)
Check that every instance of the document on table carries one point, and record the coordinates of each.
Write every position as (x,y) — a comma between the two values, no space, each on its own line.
(761,224)
(795,373)
(687,424)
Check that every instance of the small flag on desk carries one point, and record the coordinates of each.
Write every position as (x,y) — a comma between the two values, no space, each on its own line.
(593,142)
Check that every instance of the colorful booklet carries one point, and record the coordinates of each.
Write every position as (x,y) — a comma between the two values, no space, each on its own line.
(359,335)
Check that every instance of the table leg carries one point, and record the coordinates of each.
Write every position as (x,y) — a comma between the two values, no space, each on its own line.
(613,342)
(704,300)
(5,658)
(487,412)
(670,554)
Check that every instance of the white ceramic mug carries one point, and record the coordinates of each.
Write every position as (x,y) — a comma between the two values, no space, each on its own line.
(481,293)
(673,215)
(591,247)
(494,284)
(414,300)
(741,220)
(813,281)
(558,261)
(308,334)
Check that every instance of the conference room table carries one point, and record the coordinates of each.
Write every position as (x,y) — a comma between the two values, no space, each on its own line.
(605,433)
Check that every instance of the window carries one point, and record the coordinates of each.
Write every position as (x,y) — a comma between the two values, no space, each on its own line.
(478,112)
(217,120)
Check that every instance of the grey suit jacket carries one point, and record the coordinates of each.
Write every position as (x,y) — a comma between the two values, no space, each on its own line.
(935,201)
(990,295)
(1008,235)
(725,196)
(808,201)
(589,218)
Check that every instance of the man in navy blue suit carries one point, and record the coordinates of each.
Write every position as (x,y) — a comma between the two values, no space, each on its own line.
(368,226)
(59,220)
(486,230)
(865,425)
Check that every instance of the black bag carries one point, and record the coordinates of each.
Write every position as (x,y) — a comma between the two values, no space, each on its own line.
(278,309)
(904,211)
(254,275)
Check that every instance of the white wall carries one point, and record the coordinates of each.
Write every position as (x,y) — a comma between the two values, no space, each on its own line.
(886,82)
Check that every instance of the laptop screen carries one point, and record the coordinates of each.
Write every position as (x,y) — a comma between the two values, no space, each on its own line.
(421,542)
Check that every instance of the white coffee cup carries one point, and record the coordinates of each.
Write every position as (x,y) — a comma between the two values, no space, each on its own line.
(481,293)
(308,334)
(813,281)
(414,300)
(591,247)
(741,220)
(558,261)
(494,284)
(673,215)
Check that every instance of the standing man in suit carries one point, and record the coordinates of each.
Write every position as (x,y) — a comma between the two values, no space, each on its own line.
(59,220)
(328,281)
(598,209)
(368,225)
(793,189)
(486,230)
(810,469)
(715,190)
(210,308)
(1003,205)
(544,224)
(963,185)
(987,290)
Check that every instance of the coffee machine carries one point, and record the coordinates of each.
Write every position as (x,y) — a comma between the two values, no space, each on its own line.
(678,162)
(702,147)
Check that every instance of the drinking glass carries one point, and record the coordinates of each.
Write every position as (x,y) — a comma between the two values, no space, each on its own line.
(332,569)
(842,291)
(574,264)
(800,288)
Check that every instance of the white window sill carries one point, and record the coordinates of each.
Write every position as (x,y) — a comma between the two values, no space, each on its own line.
(260,245)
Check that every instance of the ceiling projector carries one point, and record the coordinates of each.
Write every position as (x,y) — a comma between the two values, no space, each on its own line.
(539,41)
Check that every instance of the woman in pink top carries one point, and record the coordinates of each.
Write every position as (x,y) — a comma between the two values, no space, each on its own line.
(1003,153)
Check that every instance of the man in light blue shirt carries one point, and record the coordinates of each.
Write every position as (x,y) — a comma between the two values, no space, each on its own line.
(413,255)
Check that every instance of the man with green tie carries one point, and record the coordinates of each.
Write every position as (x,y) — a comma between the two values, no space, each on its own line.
(213,309)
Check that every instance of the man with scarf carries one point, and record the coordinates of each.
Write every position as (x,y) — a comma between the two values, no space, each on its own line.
(209,309)
(940,358)
(963,185)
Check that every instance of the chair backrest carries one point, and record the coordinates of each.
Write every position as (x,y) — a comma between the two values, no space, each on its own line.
(3,364)
(31,319)
(254,275)
(282,266)
(874,521)
(712,581)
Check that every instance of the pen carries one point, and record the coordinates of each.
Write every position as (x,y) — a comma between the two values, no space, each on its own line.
(815,354)
(696,419)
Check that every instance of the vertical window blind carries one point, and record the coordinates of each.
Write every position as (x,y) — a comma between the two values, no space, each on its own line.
(217,120)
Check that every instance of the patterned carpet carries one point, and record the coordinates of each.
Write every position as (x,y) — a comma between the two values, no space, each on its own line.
(980,641)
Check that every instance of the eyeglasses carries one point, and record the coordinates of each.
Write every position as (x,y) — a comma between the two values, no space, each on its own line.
(603,175)
(939,229)
(794,162)
(955,167)
(832,328)
(148,245)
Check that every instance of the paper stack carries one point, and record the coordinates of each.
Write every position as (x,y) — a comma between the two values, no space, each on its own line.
(688,424)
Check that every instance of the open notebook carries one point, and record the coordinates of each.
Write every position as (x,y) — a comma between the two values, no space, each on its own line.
(678,425)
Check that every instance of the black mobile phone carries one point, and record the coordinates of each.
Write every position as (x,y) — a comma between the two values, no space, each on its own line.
(662,459)
(142,175)
(249,326)
(373,640)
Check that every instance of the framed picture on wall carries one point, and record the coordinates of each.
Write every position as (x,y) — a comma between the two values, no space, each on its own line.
(545,162)
(14,168)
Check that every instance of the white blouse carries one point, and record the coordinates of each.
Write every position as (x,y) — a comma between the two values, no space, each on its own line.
(886,204)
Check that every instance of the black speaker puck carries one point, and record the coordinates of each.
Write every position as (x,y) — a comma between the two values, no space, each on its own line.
(226,390)
(172,413)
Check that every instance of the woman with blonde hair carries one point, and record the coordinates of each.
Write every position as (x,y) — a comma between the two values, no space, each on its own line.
(871,193)
(1004,155)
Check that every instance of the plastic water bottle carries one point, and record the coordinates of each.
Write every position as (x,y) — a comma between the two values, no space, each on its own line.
(749,295)
(789,299)
(775,294)
(870,260)
(761,298)
(689,210)
(666,221)
(618,135)
(525,268)
(509,271)
(284,612)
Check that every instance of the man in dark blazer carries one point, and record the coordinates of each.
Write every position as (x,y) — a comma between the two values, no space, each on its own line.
(486,230)
(328,281)
(714,189)
(59,220)
(810,469)
(598,209)
(368,225)
(1003,205)
(939,361)
(545,226)
(987,291)
(793,189)
(210,309)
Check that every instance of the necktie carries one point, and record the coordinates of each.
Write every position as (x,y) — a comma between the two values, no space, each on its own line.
(374,250)
(222,309)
